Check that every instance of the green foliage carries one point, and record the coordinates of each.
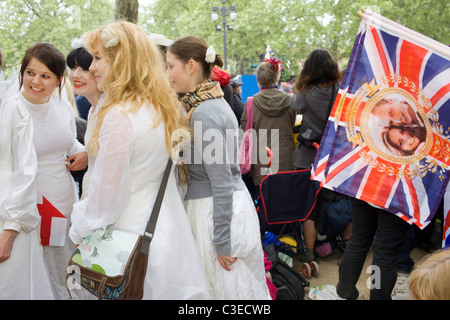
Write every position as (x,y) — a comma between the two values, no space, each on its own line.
(292,28)
(25,22)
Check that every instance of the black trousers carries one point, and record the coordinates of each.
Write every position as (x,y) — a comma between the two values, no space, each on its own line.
(388,233)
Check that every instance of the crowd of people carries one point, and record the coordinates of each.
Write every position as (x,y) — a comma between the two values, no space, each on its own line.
(100,159)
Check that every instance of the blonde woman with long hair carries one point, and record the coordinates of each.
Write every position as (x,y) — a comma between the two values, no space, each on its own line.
(131,140)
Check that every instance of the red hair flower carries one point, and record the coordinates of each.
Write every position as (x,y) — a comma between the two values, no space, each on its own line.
(273,61)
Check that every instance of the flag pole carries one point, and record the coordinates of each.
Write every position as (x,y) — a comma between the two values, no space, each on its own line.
(404,32)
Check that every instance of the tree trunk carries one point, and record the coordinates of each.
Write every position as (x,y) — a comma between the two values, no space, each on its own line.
(127,10)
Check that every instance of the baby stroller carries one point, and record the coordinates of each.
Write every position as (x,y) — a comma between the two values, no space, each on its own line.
(286,199)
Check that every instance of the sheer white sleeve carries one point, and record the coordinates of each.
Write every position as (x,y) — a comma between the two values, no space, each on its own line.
(77,146)
(19,210)
(109,186)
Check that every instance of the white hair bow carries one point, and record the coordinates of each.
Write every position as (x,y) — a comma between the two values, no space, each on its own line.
(109,38)
(210,55)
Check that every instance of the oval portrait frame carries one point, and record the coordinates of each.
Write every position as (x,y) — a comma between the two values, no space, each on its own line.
(374,146)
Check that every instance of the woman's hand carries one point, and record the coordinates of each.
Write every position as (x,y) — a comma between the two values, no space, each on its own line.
(226,261)
(7,238)
(77,161)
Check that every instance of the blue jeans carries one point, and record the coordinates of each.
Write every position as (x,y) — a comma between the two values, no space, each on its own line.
(388,233)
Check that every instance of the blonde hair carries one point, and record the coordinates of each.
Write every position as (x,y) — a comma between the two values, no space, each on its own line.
(267,75)
(136,74)
(430,280)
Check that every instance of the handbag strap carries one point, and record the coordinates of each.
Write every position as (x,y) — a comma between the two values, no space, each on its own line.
(249,124)
(330,104)
(151,225)
(333,97)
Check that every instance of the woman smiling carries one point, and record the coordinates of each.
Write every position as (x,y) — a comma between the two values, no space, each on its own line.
(57,149)
(84,84)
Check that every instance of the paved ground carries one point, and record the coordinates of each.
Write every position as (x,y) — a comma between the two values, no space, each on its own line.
(329,268)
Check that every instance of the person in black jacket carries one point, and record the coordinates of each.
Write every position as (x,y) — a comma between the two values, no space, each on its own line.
(238,105)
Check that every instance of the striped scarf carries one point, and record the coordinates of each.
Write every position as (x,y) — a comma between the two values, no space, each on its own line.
(204,91)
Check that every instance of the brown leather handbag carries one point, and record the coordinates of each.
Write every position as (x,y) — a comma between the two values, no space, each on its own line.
(112,264)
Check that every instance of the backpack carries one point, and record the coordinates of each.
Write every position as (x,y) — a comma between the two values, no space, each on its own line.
(289,283)
(338,217)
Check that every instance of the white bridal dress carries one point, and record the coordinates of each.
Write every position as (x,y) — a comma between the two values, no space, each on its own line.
(54,140)
(246,279)
(123,184)
(24,275)
(91,121)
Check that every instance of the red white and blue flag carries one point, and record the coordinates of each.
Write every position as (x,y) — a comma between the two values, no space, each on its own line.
(387,140)
(446,220)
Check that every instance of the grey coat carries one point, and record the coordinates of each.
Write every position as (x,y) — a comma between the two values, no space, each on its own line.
(313,105)
(210,176)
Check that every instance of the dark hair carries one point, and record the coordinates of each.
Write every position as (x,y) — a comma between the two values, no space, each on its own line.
(192,47)
(414,130)
(319,69)
(1,58)
(48,55)
(79,57)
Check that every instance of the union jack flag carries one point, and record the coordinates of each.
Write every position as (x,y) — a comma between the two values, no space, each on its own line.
(387,140)
(446,222)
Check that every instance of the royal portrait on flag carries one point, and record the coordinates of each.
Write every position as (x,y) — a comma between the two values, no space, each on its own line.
(395,127)
(387,140)
(391,122)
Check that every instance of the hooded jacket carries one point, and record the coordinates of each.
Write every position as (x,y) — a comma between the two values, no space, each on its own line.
(271,110)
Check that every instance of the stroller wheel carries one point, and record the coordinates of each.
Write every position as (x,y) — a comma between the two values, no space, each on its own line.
(306,270)
(314,268)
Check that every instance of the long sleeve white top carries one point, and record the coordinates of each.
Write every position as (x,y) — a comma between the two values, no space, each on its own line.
(18,169)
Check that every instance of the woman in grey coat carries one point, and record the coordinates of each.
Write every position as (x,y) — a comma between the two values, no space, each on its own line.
(313,93)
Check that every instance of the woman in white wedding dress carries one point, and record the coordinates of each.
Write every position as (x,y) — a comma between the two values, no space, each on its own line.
(131,143)
(42,71)
(23,274)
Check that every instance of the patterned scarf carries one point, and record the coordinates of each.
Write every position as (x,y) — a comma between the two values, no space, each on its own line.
(204,91)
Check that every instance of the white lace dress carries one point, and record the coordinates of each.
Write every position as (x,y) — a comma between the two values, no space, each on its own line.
(122,189)
(24,275)
(246,279)
(54,139)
